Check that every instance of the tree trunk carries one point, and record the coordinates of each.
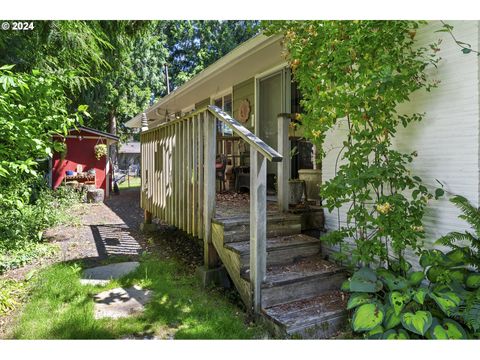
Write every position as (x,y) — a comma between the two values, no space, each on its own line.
(113,130)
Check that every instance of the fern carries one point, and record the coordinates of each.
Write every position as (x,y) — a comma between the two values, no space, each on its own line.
(470,242)
(469,312)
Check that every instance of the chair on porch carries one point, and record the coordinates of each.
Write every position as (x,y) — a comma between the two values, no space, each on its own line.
(220,167)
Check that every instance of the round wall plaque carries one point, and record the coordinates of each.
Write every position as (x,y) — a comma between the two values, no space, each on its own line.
(244,111)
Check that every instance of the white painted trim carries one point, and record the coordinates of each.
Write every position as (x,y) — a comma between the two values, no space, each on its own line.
(271,71)
(84,137)
(221,94)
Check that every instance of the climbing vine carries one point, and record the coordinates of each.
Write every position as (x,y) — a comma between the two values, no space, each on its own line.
(353,75)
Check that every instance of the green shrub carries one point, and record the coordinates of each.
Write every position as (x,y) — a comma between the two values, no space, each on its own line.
(442,301)
(22,223)
(387,305)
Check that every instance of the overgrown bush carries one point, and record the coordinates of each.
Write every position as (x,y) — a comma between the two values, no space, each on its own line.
(442,301)
(22,224)
(33,108)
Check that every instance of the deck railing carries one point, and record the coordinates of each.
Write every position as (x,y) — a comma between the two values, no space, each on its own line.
(178,182)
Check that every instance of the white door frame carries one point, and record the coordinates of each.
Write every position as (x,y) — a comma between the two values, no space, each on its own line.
(284,69)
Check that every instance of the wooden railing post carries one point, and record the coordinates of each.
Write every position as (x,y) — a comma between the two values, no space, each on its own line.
(283,173)
(210,254)
(258,225)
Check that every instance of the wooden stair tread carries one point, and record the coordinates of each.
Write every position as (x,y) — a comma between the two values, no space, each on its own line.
(306,268)
(302,313)
(244,219)
(278,242)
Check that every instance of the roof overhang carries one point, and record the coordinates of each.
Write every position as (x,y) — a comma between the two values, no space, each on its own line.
(94,132)
(253,57)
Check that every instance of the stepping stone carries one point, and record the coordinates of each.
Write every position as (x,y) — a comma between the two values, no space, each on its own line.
(101,275)
(120,302)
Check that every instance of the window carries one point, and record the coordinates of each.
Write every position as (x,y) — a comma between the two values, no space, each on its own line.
(225,103)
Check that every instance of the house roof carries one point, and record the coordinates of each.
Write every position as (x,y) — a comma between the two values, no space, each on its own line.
(132,147)
(96,132)
(245,61)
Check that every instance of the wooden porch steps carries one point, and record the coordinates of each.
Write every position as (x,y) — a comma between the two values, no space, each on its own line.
(280,249)
(318,317)
(301,295)
(300,280)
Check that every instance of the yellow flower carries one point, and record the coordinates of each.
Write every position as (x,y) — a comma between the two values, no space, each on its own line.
(316,133)
(384,208)
(417,228)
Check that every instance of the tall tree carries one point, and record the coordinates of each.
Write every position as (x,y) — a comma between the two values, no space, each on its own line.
(194,45)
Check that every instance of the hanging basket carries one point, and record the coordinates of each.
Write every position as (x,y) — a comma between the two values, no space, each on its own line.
(100,151)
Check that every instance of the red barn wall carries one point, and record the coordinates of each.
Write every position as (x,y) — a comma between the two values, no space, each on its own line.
(80,152)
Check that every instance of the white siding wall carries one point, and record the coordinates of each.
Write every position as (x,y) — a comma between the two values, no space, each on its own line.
(447,140)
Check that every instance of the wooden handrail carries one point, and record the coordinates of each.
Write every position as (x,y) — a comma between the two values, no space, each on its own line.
(246,134)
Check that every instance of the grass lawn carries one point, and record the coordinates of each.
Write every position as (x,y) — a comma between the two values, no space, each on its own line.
(60,307)
(134,182)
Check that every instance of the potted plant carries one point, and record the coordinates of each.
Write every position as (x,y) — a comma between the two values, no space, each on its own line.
(100,151)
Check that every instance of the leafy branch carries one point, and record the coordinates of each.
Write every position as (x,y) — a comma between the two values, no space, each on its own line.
(466,48)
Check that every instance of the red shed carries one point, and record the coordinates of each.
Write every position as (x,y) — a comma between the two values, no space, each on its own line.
(80,157)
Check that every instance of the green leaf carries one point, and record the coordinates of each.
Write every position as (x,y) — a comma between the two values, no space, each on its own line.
(365,273)
(345,285)
(473,281)
(376,332)
(439,193)
(398,301)
(358,299)
(391,319)
(394,335)
(416,277)
(6,67)
(82,108)
(420,294)
(450,329)
(367,317)
(446,301)
(466,51)
(396,283)
(365,280)
(434,272)
(457,257)
(418,322)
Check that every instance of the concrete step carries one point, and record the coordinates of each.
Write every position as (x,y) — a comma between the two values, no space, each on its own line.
(303,279)
(317,317)
(280,250)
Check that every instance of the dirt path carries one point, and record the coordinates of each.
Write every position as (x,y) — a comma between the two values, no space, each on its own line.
(109,232)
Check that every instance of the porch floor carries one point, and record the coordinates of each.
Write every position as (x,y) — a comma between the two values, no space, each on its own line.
(233,205)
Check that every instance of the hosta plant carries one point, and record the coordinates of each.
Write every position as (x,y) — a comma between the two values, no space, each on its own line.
(422,304)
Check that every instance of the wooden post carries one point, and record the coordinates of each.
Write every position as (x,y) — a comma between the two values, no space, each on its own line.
(283,173)
(201,197)
(148,217)
(175,178)
(210,254)
(258,225)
